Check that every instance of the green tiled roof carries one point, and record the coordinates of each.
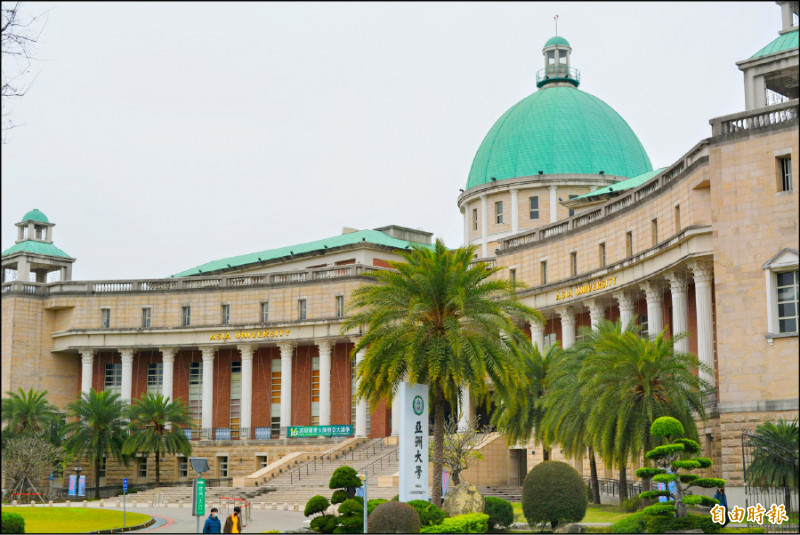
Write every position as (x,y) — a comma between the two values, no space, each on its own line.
(622,185)
(781,43)
(558,130)
(370,236)
(557,40)
(37,247)
(35,215)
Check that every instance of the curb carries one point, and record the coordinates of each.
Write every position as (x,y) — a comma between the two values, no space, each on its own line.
(127,528)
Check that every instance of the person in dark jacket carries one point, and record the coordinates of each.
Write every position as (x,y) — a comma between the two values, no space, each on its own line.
(233,524)
(212,525)
(723,501)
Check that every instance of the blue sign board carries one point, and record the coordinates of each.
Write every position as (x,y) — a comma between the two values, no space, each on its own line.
(73,481)
(82,486)
(125,484)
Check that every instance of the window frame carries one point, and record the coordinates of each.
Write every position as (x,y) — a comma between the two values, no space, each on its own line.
(654,230)
(147,316)
(533,211)
(629,244)
(105,317)
(226,314)
(571,210)
(601,253)
(302,309)
(265,312)
(474,219)
(573,262)
(339,306)
(186,316)
(543,271)
(498,212)
(785,261)
(784,169)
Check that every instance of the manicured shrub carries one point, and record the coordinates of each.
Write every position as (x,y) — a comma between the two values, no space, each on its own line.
(709,482)
(429,514)
(12,523)
(661,524)
(632,504)
(553,492)
(317,504)
(649,471)
(689,445)
(699,499)
(471,523)
(500,511)
(393,517)
(666,508)
(666,426)
(634,523)
(324,523)
(372,504)
(338,496)
(652,494)
(345,477)
(662,451)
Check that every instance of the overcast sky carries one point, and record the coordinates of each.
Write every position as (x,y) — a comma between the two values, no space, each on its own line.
(161,136)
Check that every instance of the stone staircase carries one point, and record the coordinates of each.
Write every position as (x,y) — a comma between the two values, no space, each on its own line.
(512,494)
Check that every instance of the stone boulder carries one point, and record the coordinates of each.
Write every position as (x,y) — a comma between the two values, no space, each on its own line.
(463,499)
(569,528)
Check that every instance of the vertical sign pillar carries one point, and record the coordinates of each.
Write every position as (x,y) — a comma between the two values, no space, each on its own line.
(413,448)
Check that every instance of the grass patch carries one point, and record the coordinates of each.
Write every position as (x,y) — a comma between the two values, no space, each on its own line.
(742,530)
(73,519)
(594,513)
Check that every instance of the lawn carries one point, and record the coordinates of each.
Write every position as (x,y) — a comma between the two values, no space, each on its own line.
(73,519)
(594,513)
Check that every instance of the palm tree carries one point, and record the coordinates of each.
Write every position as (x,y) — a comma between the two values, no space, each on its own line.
(98,431)
(157,427)
(630,381)
(521,416)
(28,412)
(446,324)
(775,457)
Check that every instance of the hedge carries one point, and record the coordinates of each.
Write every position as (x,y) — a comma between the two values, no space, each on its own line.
(662,524)
(500,511)
(634,523)
(471,523)
(429,514)
(12,523)
(699,499)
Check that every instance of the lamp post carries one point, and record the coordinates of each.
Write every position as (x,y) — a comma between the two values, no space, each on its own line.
(77,480)
(363,478)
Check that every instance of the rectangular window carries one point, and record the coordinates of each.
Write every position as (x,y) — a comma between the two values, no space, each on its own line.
(146,317)
(551,57)
(339,306)
(534,207)
(223,465)
(602,254)
(102,470)
(105,318)
(275,389)
(677,217)
(187,316)
(543,271)
(574,263)
(549,339)
(183,467)
(787,301)
(226,314)
(785,174)
(643,324)
(113,378)
(315,391)
(141,465)
(474,219)
(265,312)
(155,377)
(196,393)
(571,211)
(498,212)
(262,461)
(236,398)
(654,230)
(629,243)
(301,309)
(513,273)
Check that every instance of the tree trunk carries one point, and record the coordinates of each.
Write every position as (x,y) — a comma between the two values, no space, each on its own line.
(595,483)
(645,463)
(96,478)
(545,454)
(457,479)
(158,468)
(623,481)
(438,446)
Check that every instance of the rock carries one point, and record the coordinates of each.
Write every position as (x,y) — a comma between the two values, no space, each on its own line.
(463,499)
(569,528)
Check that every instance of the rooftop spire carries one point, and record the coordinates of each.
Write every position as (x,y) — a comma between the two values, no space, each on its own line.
(556,21)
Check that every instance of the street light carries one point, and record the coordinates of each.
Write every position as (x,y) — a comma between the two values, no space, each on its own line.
(363,478)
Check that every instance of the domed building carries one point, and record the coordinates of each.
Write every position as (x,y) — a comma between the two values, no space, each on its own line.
(558,143)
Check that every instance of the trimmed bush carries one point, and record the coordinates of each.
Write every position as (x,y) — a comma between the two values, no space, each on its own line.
(372,504)
(338,496)
(632,504)
(689,445)
(553,492)
(652,494)
(317,504)
(634,523)
(429,514)
(471,523)
(649,471)
(664,451)
(705,462)
(661,524)
(688,464)
(324,523)
(699,499)
(12,523)
(665,478)
(393,517)
(709,482)
(500,511)
(666,426)
(667,508)
(688,478)
(343,477)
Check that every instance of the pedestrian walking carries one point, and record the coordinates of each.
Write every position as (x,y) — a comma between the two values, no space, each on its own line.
(723,501)
(233,524)
(212,525)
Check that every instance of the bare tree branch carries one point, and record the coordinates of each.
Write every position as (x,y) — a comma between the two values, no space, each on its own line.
(459,446)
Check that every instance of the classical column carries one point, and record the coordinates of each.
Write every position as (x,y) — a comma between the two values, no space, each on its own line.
(484,227)
(626,301)
(679,288)
(466,224)
(208,391)
(127,374)
(464,412)
(537,336)
(653,291)
(324,382)
(553,204)
(361,406)
(597,312)
(168,359)
(287,348)
(567,326)
(247,390)
(87,360)
(395,417)
(703,274)
(514,211)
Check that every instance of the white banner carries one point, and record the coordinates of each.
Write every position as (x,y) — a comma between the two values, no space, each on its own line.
(412,401)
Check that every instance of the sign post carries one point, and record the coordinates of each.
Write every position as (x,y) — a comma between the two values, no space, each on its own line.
(73,485)
(124,491)
(82,486)
(306,431)
(199,499)
(413,449)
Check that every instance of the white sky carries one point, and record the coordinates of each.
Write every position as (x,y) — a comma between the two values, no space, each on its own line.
(161,136)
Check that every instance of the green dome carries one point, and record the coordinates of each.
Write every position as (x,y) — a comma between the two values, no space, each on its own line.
(35,215)
(556,41)
(558,130)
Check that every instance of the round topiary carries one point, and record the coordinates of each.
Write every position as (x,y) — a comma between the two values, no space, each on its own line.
(393,517)
(429,514)
(317,504)
(553,492)
(344,477)
(666,426)
(14,523)
(500,511)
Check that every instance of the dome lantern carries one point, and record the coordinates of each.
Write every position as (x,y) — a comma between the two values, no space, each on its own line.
(557,67)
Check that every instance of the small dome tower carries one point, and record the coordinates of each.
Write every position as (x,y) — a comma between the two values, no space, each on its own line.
(34,252)
(557,69)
